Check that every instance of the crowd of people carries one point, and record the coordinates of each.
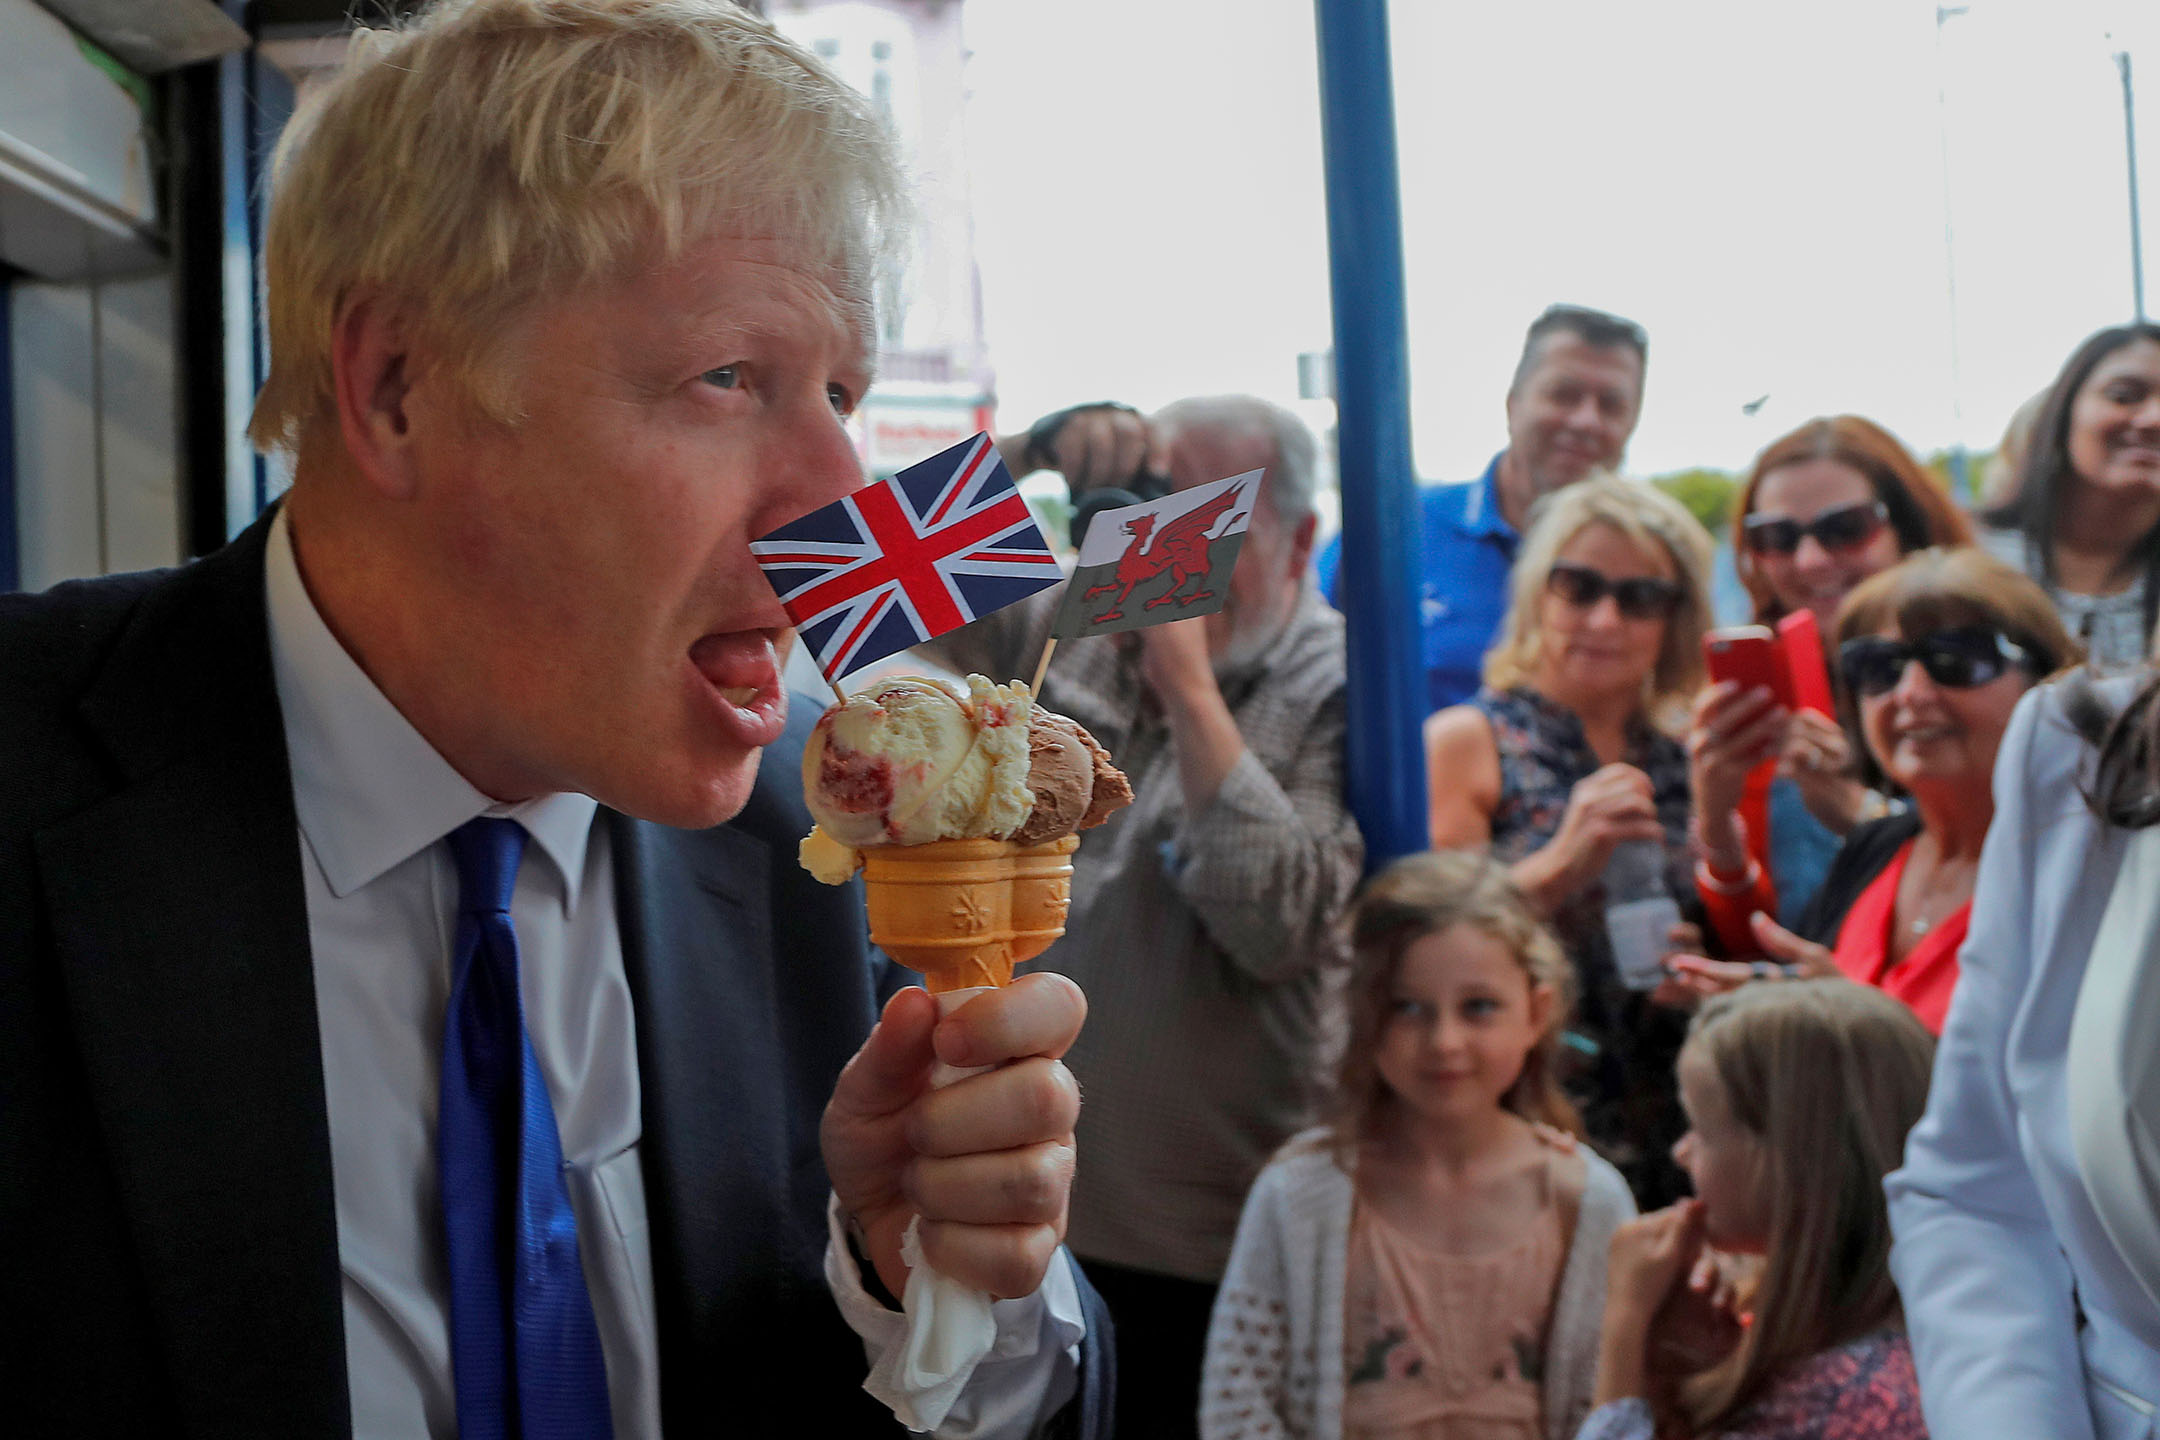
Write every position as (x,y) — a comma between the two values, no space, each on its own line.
(1453,1250)
(414,1021)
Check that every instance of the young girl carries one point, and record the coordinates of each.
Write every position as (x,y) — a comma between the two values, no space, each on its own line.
(1798,1099)
(1431,1265)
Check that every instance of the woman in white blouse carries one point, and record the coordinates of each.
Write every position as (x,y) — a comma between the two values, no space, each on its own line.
(2027,1214)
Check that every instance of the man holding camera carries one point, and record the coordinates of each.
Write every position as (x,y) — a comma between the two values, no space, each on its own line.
(1203,917)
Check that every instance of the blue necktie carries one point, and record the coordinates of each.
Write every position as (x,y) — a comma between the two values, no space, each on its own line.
(524,1351)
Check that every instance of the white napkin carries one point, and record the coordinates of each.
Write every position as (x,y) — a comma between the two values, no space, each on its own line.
(950,1328)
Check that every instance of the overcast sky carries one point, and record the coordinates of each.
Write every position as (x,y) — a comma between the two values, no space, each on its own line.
(1761,185)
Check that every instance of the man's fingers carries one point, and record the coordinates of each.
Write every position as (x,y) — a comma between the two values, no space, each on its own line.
(1024,1103)
(1027,1186)
(893,1065)
(1008,1261)
(1132,448)
(1038,1014)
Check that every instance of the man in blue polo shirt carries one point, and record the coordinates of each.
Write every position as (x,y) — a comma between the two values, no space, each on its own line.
(1570,410)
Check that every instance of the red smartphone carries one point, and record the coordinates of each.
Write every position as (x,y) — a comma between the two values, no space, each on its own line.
(1801,638)
(1749,655)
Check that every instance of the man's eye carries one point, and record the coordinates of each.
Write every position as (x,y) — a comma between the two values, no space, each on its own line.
(843,403)
(726,377)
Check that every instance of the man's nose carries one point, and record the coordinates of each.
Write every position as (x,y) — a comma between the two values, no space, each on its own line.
(814,466)
(1587,414)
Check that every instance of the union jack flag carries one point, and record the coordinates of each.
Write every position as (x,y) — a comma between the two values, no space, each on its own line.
(939,544)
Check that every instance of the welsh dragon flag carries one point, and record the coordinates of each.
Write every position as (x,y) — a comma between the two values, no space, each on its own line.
(1167,559)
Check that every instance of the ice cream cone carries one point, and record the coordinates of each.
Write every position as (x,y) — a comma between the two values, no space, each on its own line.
(1041,892)
(944,909)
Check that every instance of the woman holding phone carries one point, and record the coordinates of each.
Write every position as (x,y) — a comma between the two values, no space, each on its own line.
(1566,758)
(1934,654)
(1776,790)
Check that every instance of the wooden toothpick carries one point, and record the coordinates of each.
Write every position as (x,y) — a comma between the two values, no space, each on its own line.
(1042,666)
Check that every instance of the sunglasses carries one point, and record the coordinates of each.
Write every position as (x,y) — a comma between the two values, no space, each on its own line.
(1847,527)
(1957,659)
(1641,597)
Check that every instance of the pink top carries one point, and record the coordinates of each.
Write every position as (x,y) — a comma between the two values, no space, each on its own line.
(1448,1347)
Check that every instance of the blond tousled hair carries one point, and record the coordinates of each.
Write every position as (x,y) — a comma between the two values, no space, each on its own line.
(1652,521)
(1422,895)
(1828,1075)
(493,151)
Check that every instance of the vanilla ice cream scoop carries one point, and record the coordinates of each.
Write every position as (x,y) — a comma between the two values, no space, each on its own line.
(915,761)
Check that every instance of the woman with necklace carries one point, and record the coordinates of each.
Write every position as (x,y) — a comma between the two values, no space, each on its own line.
(1568,753)
(2086,520)
(1934,654)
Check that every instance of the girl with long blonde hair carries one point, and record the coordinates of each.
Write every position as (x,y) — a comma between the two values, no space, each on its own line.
(1799,1097)
(1430,1264)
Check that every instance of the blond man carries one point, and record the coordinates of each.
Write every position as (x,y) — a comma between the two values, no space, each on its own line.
(411,1019)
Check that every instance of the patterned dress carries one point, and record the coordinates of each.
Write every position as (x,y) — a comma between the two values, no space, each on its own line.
(1864,1389)
(1622,1046)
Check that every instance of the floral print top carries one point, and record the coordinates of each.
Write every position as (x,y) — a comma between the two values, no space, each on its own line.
(1622,1047)
(1862,1390)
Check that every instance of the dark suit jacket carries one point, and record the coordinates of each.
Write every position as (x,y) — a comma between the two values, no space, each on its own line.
(168,1238)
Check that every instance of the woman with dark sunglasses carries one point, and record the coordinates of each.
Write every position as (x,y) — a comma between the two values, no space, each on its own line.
(1933,655)
(1568,753)
(2085,522)
(1825,508)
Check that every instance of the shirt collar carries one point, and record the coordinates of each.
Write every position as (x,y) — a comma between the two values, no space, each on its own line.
(370,791)
(1481,514)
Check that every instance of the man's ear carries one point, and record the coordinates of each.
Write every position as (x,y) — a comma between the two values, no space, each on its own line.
(371,372)
(1301,544)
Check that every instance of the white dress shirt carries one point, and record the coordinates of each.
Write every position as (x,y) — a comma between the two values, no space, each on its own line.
(374,802)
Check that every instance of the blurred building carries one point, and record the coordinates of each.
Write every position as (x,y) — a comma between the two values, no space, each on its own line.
(935,386)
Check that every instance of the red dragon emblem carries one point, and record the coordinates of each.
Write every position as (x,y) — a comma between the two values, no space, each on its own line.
(1181,549)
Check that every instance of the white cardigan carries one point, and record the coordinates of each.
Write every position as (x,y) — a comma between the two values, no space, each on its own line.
(2005,1241)
(1275,1347)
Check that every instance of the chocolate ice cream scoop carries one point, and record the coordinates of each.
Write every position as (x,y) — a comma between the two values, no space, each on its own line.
(1061,776)
(1111,791)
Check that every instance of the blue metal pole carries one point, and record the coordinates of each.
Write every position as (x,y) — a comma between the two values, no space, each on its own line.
(1387,699)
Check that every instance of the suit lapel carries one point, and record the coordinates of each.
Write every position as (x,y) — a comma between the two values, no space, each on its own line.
(180,923)
(697,948)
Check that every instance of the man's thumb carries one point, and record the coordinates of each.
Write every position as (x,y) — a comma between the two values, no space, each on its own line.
(893,1065)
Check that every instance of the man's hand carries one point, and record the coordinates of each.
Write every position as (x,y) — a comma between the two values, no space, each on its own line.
(1092,446)
(1175,663)
(987,1163)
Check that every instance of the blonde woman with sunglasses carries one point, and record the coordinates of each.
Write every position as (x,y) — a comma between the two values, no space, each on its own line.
(1568,753)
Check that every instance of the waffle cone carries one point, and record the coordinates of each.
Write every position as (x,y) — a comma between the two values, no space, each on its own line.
(944,909)
(1041,892)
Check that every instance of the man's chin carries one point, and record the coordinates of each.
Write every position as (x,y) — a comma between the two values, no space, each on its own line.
(694,797)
